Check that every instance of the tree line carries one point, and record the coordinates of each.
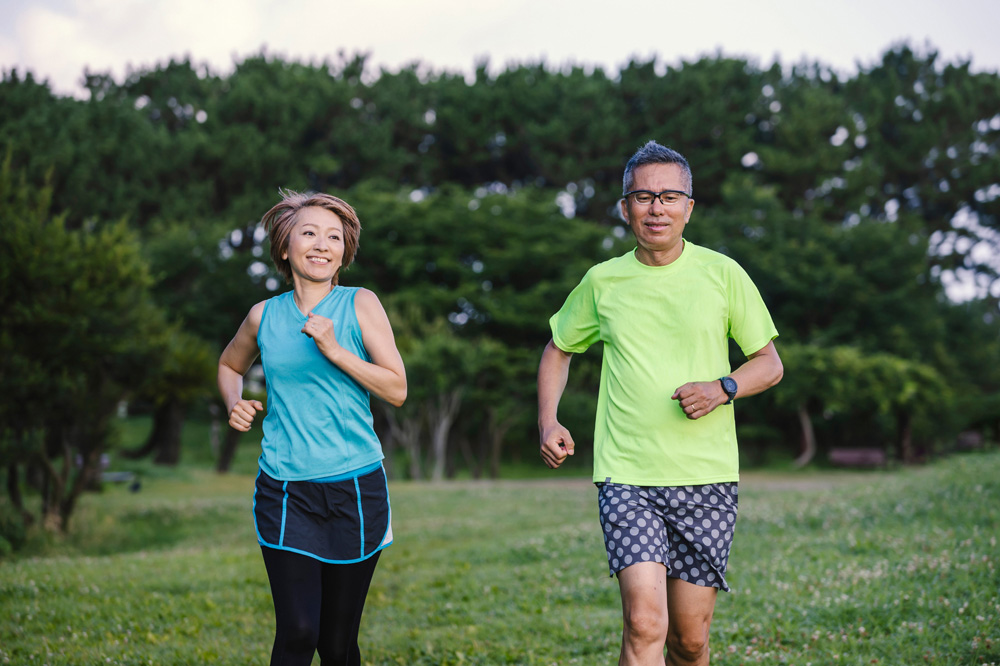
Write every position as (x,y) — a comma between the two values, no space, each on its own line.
(131,253)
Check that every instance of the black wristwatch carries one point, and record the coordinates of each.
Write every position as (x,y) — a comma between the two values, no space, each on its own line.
(729,386)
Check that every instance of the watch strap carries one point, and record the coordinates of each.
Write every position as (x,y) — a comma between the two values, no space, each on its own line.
(732,395)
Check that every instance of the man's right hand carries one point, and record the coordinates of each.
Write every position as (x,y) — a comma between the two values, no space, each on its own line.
(241,416)
(556,445)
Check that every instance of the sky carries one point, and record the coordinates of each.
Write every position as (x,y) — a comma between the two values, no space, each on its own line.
(57,39)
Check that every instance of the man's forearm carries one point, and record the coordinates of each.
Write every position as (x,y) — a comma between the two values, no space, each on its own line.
(761,371)
(553,373)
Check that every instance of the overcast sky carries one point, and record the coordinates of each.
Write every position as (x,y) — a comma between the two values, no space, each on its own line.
(57,39)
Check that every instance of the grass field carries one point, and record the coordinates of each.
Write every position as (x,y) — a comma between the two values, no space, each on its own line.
(828,568)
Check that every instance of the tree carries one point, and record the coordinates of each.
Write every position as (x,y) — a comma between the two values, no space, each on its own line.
(852,202)
(207,276)
(929,134)
(879,394)
(184,373)
(500,401)
(871,337)
(78,334)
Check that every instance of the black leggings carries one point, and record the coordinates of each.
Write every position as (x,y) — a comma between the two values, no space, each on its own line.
(317,606)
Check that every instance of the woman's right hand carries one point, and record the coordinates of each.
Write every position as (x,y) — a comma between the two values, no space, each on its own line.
(242,413)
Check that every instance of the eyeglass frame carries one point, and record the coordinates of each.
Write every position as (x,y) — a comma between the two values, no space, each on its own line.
(656,196)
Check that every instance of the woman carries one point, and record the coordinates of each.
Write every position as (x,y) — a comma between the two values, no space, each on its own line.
(321,505)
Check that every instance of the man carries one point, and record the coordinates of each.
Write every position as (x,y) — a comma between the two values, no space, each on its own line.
(665,455)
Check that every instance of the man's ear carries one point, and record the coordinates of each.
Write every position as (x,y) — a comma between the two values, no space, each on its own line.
(687,216)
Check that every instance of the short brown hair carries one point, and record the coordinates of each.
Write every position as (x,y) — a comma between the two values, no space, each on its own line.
(278,223)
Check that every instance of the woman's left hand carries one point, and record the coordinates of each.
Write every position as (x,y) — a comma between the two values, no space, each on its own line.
(320,329)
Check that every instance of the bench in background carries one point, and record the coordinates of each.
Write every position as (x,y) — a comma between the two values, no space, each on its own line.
(858,457)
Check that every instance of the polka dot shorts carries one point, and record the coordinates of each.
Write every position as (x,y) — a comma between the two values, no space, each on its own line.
(689,529)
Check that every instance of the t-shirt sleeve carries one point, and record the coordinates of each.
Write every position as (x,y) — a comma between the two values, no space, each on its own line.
(750,324)
(576,326)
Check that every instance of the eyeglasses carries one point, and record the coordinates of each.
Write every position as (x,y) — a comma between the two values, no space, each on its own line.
(666,197)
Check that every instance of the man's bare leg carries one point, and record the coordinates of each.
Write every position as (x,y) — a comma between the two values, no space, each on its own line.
(691,608)
(644,614)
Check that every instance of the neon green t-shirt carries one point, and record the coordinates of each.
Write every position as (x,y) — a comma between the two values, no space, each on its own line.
(662,327)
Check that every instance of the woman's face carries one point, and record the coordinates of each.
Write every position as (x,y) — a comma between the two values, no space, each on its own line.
(315,249)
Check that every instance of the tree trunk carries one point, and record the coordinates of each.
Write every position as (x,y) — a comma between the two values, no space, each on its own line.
(472,461)
(229,444)
(14,491)
(168,422)
(497,430)
(905,434)
(410,429)
(451,459)
(53,481)
(442,415)
(139,452)
(165,438)
(406,434)
(215,429)
(89,465)
(808,438)
(52,485)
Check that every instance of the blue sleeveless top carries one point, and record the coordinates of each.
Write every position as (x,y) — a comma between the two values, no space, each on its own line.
(319,420)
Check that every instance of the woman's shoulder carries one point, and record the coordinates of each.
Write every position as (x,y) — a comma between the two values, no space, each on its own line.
(367,304)
(257,312)
(365,300)
(363,294)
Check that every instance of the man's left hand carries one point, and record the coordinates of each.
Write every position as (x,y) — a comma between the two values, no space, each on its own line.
(700,398)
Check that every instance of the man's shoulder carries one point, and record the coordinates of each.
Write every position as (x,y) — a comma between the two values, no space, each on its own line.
(707,255)
(712,260)
(612,267)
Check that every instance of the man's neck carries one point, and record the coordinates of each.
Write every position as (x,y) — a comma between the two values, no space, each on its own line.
(659,258)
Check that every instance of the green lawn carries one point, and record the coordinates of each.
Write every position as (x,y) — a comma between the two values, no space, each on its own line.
(828,568)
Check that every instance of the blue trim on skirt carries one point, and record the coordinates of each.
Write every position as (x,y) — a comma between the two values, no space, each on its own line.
(342,521)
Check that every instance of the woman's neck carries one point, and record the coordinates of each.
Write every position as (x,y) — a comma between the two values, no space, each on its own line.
(308,294)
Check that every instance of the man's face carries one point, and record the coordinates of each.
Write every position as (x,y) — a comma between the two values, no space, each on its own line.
(658,227)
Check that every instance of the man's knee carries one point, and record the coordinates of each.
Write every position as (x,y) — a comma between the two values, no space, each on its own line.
(688,646)
(646,624)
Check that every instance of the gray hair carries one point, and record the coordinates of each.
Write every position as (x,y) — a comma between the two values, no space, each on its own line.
(654,153)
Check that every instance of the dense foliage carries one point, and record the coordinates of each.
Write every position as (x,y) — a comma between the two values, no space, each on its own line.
(853,203)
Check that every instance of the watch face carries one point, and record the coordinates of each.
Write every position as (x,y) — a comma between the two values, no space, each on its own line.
(729,385)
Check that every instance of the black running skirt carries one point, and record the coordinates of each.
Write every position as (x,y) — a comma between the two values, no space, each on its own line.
(340,521)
